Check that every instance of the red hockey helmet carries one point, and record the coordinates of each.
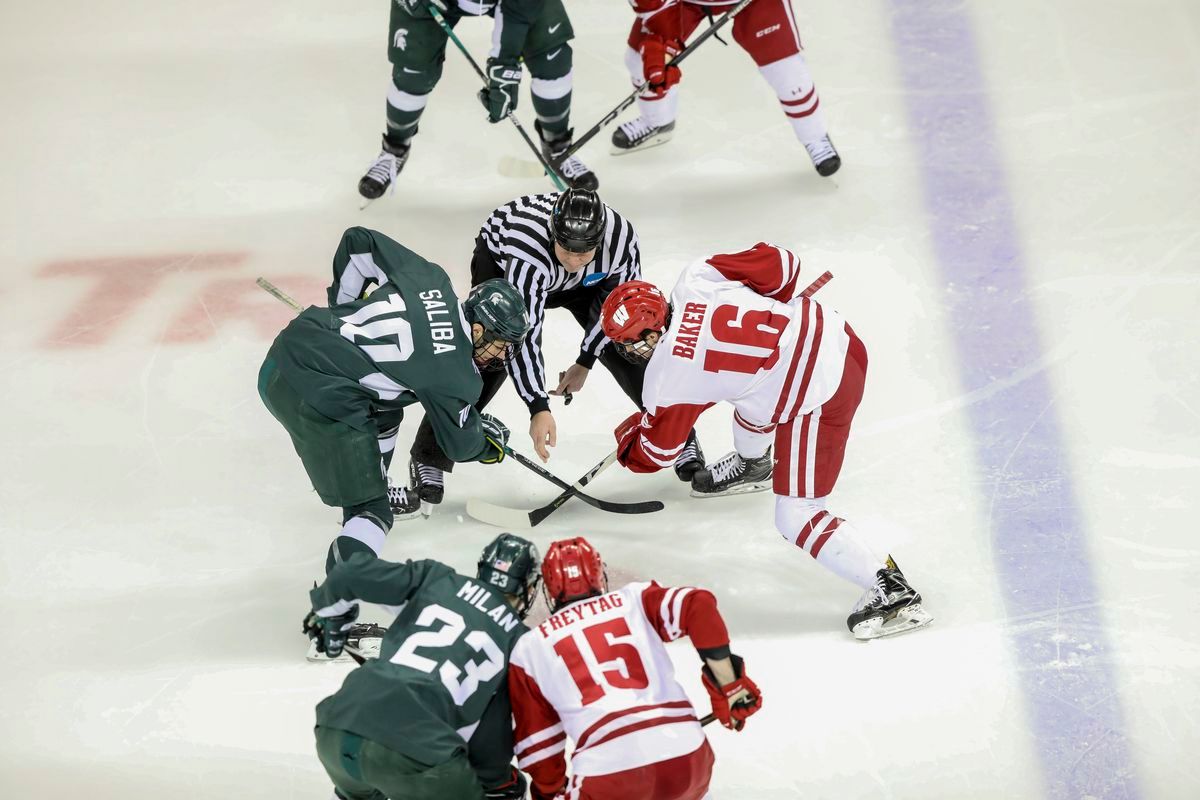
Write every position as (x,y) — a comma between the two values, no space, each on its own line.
(630,313)
(572,570)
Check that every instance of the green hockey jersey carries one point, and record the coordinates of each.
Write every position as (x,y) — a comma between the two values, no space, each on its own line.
(439,685)
(393,335)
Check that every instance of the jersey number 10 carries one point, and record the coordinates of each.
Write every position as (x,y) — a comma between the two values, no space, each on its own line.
(603,639)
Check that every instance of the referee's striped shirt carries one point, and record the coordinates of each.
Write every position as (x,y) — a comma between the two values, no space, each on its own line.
(518,235)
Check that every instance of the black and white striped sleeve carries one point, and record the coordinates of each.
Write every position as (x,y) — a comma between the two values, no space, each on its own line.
(625,264)
(526,366)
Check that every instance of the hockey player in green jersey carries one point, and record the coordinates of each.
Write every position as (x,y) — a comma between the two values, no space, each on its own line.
(532,33)
(430,719)
(339,378)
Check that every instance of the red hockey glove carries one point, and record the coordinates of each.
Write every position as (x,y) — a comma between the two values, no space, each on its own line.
(732,716)
(626,435)
(512,789)
(659,76)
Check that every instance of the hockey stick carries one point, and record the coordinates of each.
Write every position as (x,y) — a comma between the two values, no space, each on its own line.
(632,98)
(505,517)
(278,293)
(551,171)
(825,278)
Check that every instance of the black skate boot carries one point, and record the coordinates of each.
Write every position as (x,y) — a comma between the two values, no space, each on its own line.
(364,638)
(690,460)
(734,475)
(824,156)
(889,607)
(382,172)
(427,481)
(573,171)
(638,134)
(405,502)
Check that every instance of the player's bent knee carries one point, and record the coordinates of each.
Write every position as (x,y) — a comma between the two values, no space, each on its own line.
(550,64)
(416,81)
(793,513)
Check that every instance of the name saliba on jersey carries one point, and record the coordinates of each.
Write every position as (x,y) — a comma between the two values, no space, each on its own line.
(440,330)
(478,596)
(578,612)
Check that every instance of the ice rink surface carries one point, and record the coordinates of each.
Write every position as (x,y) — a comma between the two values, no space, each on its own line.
(1014,234)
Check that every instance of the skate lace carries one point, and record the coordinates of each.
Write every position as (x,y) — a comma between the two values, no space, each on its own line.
(430,475)
(383,170)
(820,150)
(573,168)
(636,129)
(397,495)
(729,467)
(687,453)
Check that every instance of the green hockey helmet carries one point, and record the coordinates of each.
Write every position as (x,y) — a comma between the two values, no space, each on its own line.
(512,565)
(498,307)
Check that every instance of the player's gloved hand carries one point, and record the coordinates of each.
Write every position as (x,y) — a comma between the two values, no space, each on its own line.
(659,76)
(626,435)
(496,433)
(500,96)
(733,702)
(513,789)
(330,633)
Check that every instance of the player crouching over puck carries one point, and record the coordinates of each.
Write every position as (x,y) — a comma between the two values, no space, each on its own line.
(738,330)
(597,671)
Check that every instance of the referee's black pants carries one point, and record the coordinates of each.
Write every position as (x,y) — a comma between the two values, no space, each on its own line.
(579,302)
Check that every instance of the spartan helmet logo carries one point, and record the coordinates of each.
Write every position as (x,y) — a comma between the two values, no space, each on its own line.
(401,39)
(496,298)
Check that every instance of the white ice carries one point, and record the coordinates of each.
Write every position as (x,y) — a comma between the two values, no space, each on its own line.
(158,533)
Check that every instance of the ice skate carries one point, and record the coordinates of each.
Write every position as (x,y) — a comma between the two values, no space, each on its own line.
(690,460)
(639,134)
(734,475)
(406,503)
(824,156)
(889,607)
(576,174)
(381,173)
(428,481)
(365,639)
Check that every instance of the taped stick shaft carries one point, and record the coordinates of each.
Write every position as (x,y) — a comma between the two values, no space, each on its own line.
(279,295)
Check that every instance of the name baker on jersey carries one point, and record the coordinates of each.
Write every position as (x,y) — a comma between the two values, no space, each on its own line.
(442,330)
(581,611)
(689,330)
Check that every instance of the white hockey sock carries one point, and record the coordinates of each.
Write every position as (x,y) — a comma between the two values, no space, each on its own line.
(658,111)
(832,541)
(793,84)
(366,531)
(749,440)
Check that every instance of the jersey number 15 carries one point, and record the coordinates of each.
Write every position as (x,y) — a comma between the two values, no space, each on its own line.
(604,640)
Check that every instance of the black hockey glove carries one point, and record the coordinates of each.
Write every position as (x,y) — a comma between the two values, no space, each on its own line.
(496,433)
(500,96)
(330,633)
(514,789)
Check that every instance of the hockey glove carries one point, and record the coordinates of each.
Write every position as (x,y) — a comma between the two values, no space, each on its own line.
(496,433)
(330,633)
(659,76)
(729,713)
(500,96)
(514,789)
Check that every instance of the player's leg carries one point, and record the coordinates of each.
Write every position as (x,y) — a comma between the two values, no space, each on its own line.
(549,58)
(657,110)
(416,50)
(809,452)
(747,469)
(684,777)
(767,31)
(339,753)
(403,778)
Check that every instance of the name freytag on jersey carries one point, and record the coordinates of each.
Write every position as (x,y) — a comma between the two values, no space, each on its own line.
(442,330)
(580,611)
(689,330)
(478,597)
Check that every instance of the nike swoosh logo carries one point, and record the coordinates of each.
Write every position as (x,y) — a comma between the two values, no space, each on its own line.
(552,56)
(553,28)
(413,71)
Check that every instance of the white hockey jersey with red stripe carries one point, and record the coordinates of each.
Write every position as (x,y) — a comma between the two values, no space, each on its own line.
(739,333)
(597,673)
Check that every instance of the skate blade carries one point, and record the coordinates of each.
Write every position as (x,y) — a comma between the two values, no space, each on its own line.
(749,488)
(906,619)
(653,141)
(511,167)
(363,202)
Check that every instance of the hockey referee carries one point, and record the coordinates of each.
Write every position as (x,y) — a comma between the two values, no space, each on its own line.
(561,250)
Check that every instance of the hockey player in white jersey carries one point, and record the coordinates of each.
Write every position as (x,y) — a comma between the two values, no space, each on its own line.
(737,330)
(596,672)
